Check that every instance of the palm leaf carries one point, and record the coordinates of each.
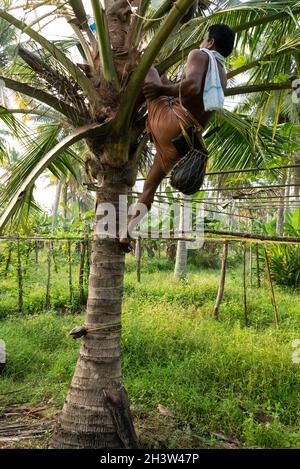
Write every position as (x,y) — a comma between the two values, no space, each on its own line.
(29,168)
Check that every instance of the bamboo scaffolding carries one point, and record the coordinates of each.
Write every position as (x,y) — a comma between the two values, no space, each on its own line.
(222,281)
(245,286)
(273,299)
(138,253)
(48,288)
(257,267)
(70,273)
(83,245)
(20,280)
(227,235)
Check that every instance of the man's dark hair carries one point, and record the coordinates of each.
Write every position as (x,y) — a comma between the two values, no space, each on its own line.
(224,38)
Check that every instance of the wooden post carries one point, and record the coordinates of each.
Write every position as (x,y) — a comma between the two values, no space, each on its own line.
(54,259)
(70,272)
(81,272)
(20,279)
(222,280)
(29,248)
(28,252)
(49,256)
(88,254)
(36,251)
(8,260)
(245,286)
(272,290)
(138,254)
(250,264)
(257,266)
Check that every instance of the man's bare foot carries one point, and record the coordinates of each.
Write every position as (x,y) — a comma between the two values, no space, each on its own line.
(125,243)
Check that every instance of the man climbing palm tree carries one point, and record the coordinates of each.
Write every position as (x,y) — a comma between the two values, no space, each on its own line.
(191,102)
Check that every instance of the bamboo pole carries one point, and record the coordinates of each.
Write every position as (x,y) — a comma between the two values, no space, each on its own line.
(88,257)
(81,272)
(36,252)
(29,248)
(138,254)
(70,272)
(250,264)
(245,287)
(222,280)
(54,259)
(8,260)
(273,299)
(48,288)
(257,266)
(230,235)
(20,279)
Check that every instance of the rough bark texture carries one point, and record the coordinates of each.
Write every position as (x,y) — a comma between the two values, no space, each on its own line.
(86,420)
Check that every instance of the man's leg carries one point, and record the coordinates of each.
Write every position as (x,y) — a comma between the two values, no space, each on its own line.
(153,76)
(155,176)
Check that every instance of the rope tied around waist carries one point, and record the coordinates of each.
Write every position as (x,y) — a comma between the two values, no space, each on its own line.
(81,331)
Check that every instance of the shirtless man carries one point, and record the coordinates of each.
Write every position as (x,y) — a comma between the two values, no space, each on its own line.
(164,110)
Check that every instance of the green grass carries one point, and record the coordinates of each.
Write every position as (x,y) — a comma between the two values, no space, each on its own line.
(214,375)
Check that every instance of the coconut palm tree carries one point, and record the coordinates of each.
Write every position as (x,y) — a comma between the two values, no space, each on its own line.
(99,100)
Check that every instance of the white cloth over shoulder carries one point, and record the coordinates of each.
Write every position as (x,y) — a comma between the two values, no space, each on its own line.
(213,93)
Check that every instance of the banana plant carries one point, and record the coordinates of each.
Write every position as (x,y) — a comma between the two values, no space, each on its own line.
(98,100)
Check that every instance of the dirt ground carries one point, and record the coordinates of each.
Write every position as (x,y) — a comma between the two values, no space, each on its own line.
(27,426)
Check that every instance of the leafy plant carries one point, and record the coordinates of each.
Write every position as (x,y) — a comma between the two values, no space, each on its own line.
(285,259)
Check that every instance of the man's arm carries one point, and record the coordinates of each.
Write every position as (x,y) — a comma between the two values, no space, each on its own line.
(196,68)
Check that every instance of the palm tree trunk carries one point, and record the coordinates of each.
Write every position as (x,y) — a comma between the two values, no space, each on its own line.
(180,270)
(96,412)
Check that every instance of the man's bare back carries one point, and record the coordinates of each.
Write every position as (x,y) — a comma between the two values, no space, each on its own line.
(196,69)
(190,88)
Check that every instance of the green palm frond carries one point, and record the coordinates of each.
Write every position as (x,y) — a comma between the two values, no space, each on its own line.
(13,124)
(72,69)
(270,62)
(236,146)
(26,207)
(45,154)
(252,21)
(45,138)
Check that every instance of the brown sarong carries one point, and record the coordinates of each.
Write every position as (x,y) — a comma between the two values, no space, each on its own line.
(163,125)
